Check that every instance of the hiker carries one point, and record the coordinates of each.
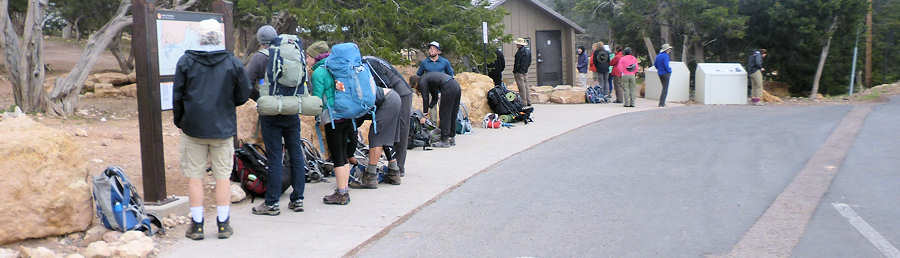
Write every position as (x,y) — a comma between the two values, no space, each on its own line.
(601,62)
(279,132)
(617,75)
(520,69)
(340,134)
(609,79)
(429,86)
(435,62)
(628,67)
(591,66)
(383,133)
(208,85)
(387,76)
(495,69)
(664,71)
(582,67)
(755,70)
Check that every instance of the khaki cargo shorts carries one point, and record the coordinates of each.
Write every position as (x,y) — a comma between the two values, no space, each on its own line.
(198,153)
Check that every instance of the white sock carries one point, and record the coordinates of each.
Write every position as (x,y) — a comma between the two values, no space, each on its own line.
(223,212)
(197,214)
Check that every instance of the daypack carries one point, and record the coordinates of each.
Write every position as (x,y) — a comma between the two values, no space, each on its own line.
(251,166)
(594,95)
(354,94)
(422,135)
(119,205)
(498,100)
(287,62)
(492,121)
(463,125)
(316,166)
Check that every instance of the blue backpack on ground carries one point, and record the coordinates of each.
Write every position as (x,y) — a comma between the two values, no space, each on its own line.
(354,94)
(594,95)
(463,124)
(119,206)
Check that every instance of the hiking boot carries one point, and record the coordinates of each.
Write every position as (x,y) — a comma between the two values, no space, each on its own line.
(263,209)
(442,144)
(296,206)
(368,181)
(194,231)
(392,177)
(337,198)
(225,230)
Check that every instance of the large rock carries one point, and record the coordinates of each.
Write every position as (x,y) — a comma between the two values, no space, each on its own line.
(112,78)
(97,249)
(237,193)
(567,97)
(767,97)
(132,77)
(133,244)
(129,90)
(248,123)
(539,97)
(105,90)
(45,188)
(542,89)
(474,93)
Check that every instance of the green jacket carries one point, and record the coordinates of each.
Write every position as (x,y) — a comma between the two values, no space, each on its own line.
(323,83)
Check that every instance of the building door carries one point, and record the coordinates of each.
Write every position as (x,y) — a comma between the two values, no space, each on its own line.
(549,57)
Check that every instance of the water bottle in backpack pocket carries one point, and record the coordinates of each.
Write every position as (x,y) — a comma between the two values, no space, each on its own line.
(118,204)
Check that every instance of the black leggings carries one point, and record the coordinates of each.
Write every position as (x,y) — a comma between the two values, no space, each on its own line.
(450,94)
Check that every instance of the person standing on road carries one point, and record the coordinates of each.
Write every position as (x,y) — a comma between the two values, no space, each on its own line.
(386,76)
(431,86)
(664,71)
(520,69)
(617,75)
(582,67)
(755,70)
(601,62)
(495,69)
(279,132)
(208,85)
(628,67)
(435,62)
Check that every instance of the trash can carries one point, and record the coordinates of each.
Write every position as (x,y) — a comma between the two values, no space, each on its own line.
(720,83)
(679,83)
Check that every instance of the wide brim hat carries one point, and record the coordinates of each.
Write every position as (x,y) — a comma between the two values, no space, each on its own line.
(665,47)
(521,41)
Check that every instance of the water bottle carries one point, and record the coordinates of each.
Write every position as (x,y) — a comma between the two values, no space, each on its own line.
(252,177)
(117,207)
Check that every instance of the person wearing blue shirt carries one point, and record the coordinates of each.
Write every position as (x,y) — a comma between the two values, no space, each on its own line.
(664,71)
(435,62)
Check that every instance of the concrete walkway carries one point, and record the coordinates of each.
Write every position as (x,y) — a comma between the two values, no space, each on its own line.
(333,231)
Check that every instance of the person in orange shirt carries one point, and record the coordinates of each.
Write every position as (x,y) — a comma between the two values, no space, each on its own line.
(628,67)
(617,76)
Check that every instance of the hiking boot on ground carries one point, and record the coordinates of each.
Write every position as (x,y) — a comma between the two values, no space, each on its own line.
(296,206)
(369,179)
(225,230)
(442,144)
(392,177)
(337,198)
(263,209)
(194,231)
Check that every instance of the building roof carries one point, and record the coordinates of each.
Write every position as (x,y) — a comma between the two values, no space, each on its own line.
(492,4)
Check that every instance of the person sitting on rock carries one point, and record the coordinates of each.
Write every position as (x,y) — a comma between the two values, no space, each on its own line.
(434,85)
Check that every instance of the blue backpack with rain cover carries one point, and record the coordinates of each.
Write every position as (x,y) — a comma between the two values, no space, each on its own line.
(354,94)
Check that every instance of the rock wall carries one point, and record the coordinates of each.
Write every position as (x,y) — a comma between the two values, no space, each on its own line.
(45,188)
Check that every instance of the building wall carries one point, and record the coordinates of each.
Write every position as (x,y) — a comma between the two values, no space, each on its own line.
(523,21)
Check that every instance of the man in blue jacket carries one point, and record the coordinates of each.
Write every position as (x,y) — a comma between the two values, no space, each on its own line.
(582,67)
(435,62)
(664,71)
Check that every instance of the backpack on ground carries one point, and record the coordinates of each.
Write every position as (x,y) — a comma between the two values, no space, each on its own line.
(252,169)
(354,94)
(491,121)
(119,205)
(463,124)
(317,169)
(418,135)
(594,95)
(500,103)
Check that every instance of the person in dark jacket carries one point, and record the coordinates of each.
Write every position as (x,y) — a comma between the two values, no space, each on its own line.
(279,132)
(431,86)
(435,62)
(520,69)
(664,71)
(386,76)
(495,69)
(754,70)
(209,84)
(582,67)
(601,61)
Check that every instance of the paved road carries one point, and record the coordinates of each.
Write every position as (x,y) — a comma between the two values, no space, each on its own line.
(683,182)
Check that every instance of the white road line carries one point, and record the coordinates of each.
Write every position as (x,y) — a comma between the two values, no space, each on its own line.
(867,231)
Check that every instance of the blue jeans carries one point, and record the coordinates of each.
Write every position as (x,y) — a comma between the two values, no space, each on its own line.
(274,129)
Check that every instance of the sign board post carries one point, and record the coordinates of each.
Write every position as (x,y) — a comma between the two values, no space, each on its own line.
(149,92)
(484,41)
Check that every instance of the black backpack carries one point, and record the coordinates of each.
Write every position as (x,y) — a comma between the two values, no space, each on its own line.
(418,135)
(251,169)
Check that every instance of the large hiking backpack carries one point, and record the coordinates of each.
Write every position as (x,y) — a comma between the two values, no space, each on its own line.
(252,169)
(594,95)
(287,62)
(119,205)
(417,134)
(463,124)
(498,100)
(354,94)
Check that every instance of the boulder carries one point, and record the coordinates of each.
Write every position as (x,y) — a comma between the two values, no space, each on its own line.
(112,78)
(778,89)
(45,189)
(474,93)
(133,244)
(104,90)
(129,90)
(767,97)
(111,236)
(237,194)
(95,233)
(97,249)
(132,77)
(39,252)
(539,97)
(248,123)
(567,97)
(561,87)
(542,89)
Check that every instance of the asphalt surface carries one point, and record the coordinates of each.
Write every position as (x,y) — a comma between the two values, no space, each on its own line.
(683,182)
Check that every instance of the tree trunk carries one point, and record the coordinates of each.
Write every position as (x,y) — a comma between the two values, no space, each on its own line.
(24,60)
(67,31)
(684,48)
(9,40)
(699,54)
(869,45)
(665,28)
(76,28)
(822,58)
(116,50)
(649,45)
